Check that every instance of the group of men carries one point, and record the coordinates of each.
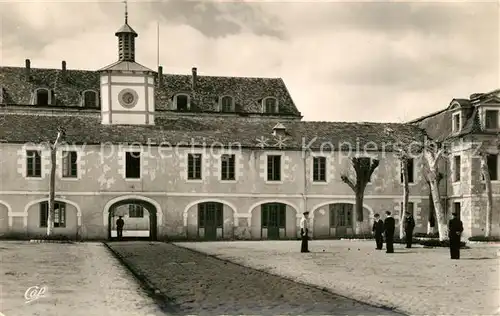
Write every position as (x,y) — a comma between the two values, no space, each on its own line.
(385,228)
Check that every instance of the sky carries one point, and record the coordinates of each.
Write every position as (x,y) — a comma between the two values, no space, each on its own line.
(341,61)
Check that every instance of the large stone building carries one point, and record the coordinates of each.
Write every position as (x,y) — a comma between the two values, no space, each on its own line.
(192,156)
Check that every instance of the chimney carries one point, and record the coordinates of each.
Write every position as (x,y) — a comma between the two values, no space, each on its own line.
(28,69)
(63,70)
(194,77)
(160,76)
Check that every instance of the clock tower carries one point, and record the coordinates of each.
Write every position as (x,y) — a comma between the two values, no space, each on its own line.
(127,87)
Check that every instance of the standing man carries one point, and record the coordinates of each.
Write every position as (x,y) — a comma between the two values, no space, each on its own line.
(119,227)
(409,225)
(304,232)
(455,229)
(378,230)
(389,227)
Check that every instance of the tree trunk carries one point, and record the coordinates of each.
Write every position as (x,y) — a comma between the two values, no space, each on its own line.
(489,195)
(432,218)
(432,177)
(406,197)
(436,198)
(51,215)
(359,212)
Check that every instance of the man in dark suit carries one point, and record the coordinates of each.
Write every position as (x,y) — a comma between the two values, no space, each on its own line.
(409,225)
(455,229)
(389,227)
(119,227)
(378,230)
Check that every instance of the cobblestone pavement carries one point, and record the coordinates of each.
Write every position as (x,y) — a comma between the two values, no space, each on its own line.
(416,281)
(81,279)
(203,285)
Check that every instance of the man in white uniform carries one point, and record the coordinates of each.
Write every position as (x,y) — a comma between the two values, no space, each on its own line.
(304,231)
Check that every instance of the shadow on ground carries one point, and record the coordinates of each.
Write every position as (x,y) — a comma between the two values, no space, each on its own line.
(196,283)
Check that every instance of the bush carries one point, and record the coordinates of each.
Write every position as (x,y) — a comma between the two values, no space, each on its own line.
(58,238)
(483,238)
(424,235)
(438,243)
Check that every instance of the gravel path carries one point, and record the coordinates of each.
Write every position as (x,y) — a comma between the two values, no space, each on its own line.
(202,285)
(82,279)
(417,281)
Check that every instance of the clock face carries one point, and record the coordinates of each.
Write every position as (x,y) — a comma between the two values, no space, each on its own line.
(128,98)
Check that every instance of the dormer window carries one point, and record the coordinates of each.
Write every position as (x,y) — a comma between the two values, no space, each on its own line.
(457,124)
(227,104)
(181,102)
(89,99)
(44,97)
(270,105)
(491,119)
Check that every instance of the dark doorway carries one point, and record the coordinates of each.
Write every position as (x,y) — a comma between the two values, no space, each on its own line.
(141,216)
(210,218)
(273,216)
(341,218)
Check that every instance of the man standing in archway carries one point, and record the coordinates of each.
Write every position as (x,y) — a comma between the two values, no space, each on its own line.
(119,227)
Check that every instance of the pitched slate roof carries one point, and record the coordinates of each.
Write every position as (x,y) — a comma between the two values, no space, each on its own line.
(438,125)
(86,127)
(247,92)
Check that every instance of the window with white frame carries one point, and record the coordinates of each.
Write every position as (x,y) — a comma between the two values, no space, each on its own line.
(270,105)
(228,167)
(491,119)
(319,169)
(89,99)
(33,164)
(274,168)
(194,166)
(69,164)
(227,104)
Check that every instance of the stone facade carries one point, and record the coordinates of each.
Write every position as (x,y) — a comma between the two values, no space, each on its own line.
(163,184)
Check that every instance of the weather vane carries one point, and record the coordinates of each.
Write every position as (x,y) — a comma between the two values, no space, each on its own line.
(126,12)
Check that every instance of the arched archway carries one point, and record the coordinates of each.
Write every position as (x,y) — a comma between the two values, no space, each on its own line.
(210,219)
(141,220)
(5,215)
(273,219)
(67,221)
(337,218)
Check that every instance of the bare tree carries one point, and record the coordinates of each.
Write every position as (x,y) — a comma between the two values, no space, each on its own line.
(403,153)
(432,212)
(406,193)
(53,162)
(432,159)
(364,168)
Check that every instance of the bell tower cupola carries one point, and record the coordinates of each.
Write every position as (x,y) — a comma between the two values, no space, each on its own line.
(127,87)
(126,40)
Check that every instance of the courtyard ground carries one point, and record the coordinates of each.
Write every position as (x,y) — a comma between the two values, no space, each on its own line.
(82,279)
(202,285)
(416,281)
